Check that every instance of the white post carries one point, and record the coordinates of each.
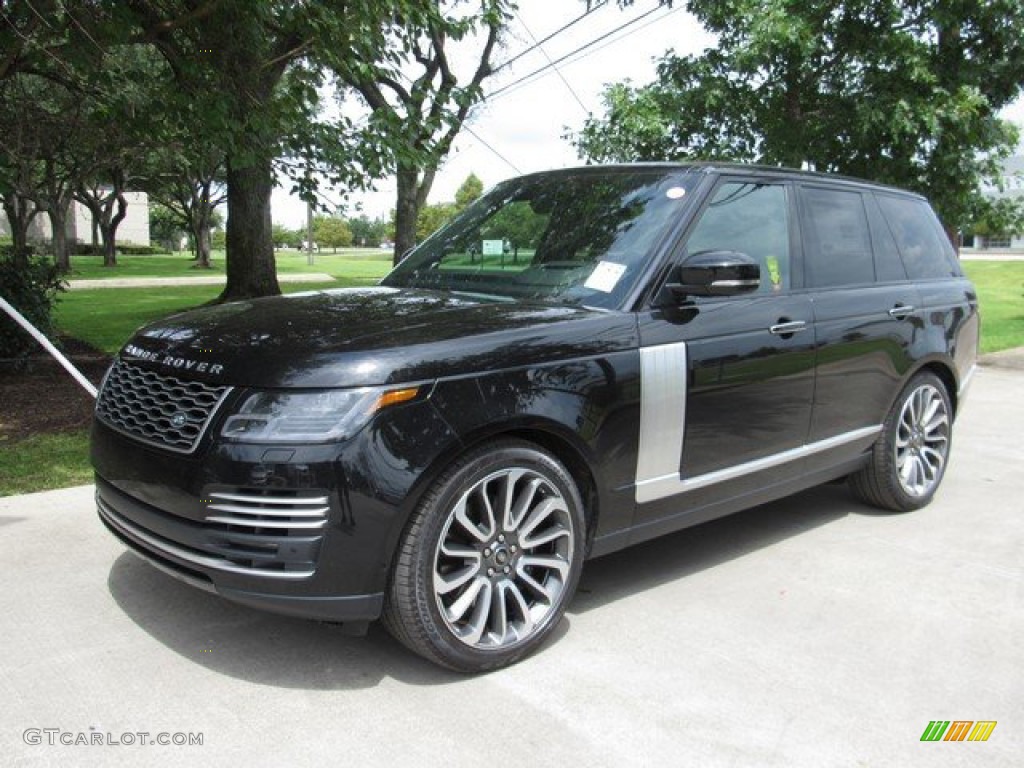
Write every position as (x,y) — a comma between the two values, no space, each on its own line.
(68,365)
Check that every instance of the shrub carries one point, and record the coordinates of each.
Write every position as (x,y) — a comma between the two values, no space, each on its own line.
(33,291)
(128,249)
(141,250)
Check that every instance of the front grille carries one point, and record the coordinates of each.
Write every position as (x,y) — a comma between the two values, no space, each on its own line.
(157,409)
(245,531)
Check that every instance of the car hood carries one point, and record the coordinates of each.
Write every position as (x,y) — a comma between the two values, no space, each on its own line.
(370,336)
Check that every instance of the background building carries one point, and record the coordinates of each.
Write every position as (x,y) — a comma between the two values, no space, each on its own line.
(134,229)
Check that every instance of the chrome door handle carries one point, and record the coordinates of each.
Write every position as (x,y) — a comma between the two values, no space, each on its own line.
(900,311)
(784,329)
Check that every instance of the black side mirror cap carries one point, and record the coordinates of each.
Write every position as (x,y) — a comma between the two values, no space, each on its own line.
(711,273)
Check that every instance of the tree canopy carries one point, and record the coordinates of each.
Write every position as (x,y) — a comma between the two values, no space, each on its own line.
(901,91)
(236,94)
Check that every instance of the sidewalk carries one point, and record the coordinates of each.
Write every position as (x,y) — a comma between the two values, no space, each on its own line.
(1012,359)
(155,282)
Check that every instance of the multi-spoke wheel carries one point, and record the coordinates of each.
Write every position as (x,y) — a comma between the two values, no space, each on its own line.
(909,458)
(489,560)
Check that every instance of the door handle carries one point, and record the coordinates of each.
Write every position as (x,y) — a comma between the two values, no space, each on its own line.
(900,311)
(788,328)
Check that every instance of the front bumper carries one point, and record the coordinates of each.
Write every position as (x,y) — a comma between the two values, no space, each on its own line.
(219,561)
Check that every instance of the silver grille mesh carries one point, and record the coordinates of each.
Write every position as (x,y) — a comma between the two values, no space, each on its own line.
(161,410)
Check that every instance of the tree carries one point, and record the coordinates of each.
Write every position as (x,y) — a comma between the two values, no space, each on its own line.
(47,148)
(165,226)
(432,217)
(331,232)
(284,237)
(415,124)
(366,231)
(901,92)
(120,88)
(186,175)
(469,191)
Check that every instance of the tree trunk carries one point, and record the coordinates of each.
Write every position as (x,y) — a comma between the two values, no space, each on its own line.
(251,271)
(108,226)
(201,237)
(406,213)
(412,194)
(20,212)
(203,212)
(58,222)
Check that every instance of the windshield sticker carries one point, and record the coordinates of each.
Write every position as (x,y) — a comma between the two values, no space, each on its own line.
(605,276)
(674,193)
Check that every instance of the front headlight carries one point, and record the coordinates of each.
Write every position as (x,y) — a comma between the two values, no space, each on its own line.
(308,417)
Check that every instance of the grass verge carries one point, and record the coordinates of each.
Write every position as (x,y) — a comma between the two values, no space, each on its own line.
(44,462)
(1000,287)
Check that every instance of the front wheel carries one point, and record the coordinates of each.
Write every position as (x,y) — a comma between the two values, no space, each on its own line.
(909,458)
(489,560)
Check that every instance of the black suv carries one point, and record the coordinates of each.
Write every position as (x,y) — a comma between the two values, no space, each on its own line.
(584,359)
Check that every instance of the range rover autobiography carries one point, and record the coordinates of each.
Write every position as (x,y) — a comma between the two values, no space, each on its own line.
(583,360)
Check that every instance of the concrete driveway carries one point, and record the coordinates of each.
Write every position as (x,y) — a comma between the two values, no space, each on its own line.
(809,632)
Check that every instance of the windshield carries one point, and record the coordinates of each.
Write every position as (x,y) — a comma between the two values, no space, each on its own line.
(576,238)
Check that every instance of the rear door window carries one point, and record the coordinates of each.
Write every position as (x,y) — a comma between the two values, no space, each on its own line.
(838,239)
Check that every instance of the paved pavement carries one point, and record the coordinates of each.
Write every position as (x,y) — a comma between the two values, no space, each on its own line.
(810,632)
(156,282)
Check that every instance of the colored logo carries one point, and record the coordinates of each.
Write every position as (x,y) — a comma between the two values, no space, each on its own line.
(958,730)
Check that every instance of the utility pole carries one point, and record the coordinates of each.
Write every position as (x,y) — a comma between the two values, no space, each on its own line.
(309,233)
(309,216)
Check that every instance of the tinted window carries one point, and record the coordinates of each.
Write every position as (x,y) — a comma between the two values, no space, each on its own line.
(752,219)
(888,264)
(925,250)
(838,238)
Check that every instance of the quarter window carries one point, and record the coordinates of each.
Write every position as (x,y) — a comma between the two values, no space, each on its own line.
(751,219)
(925,250)
(838,238)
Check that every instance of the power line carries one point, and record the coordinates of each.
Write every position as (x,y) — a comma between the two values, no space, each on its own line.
(557,71)
(559,60)
(500,156)
(554,34)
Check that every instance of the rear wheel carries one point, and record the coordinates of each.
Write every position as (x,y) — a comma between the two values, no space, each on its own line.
(909,458)
(489,560)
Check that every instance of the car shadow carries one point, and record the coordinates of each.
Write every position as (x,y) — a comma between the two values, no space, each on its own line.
(678,555)
(285,652)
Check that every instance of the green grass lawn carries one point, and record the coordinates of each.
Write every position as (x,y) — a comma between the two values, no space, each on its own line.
(1000,287)
(43,462)
(351,263)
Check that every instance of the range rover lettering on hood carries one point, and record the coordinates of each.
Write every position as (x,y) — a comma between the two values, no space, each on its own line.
(171,361)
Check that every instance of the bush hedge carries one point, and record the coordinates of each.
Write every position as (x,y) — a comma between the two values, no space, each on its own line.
(32,290)
(126,249)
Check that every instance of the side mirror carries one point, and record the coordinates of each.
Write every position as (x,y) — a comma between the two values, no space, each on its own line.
(712,273)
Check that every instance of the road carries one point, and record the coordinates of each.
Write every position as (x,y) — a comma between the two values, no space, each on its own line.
(809,632)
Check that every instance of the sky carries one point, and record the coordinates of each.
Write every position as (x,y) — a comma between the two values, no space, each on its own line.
(521,129)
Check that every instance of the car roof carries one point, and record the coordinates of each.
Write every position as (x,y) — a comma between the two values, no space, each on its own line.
(710,168)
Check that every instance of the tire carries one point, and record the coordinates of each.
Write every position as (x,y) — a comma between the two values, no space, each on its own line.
(909,458)
(489,559)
